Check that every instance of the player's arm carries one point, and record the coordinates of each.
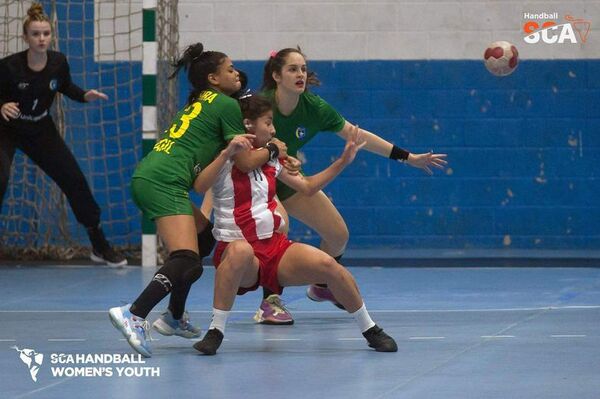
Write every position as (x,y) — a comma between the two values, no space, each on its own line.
(310,185)
(208,176)
(247,161)
(8,109)
(379,146)
(75,92)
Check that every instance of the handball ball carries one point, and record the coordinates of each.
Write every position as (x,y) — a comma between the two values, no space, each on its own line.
(501,58)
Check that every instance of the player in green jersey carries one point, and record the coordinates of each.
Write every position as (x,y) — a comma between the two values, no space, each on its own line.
(298,116)
(161,183)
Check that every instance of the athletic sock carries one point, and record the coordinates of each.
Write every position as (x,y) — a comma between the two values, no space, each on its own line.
(363,319)
(149,298)
(267,292)
(219,319)
(177,301)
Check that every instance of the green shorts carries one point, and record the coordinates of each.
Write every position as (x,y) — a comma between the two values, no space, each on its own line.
(284,191)
(156,201)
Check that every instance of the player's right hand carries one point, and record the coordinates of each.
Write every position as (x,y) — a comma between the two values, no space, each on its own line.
(10,111)
(239,143)
(355,141)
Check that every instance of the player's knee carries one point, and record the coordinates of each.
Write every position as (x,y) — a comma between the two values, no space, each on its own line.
(182,267)
(337,237)
(328,267)
(239,252)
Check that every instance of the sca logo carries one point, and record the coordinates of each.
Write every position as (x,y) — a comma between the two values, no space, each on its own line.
(32,360)
(550,32)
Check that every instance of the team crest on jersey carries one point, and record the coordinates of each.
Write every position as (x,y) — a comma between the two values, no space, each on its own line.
(300,132)
(53,84)
(22,85)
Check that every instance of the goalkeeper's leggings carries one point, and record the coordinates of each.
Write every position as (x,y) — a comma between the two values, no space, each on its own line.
(44,146)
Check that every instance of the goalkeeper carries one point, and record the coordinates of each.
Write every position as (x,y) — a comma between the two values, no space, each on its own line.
(29,81)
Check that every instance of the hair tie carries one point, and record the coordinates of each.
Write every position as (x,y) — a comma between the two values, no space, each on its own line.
(273,54)
(247,94)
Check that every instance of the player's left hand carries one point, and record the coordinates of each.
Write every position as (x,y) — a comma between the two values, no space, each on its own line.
(93,94)
(427,160)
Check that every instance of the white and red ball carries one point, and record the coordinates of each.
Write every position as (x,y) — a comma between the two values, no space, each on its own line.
(501,58)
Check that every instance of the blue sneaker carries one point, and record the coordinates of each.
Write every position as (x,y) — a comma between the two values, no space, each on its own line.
(167,325)
(133,328)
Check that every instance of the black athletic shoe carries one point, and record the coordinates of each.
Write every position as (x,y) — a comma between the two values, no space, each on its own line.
(102,251)
(210,343)
(108,256)
(379,340)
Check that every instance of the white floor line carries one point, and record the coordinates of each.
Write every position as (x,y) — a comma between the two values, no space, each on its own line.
(26,394)
(581,307)
(425,338)
(8,340)
(497,336)
(350,339)
(568,336)
(66,339)
(283,339)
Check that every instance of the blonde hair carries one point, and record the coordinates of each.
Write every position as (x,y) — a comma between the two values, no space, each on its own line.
(35,13)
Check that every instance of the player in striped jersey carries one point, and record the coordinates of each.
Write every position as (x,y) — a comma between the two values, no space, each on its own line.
(250,249)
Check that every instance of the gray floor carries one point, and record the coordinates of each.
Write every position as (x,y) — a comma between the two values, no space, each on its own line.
(462,333)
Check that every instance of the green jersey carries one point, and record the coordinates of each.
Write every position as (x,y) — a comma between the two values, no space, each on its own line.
(311,116)
(195,138)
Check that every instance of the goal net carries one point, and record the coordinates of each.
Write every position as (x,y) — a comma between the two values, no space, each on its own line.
(102,41)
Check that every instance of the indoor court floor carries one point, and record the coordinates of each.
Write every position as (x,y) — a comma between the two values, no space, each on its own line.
(474,332)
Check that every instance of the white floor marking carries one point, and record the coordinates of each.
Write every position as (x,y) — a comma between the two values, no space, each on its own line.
(497,336)
(568,336)
(340,312)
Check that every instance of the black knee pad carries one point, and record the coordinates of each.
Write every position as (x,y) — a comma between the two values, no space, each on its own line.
(206,240)
(194,273)
(182,267)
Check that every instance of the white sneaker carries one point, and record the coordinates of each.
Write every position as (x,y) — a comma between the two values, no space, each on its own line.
(133,328)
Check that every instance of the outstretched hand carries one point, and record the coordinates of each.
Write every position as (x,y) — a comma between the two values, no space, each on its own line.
(93,94)
(427,160)
(355,141)
(239,143)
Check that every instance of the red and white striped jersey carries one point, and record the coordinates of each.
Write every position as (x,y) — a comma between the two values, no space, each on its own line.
(244,203)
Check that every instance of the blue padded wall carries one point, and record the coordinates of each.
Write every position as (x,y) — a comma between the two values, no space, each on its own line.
(523,153)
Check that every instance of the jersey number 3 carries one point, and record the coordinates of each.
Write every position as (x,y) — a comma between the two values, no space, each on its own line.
(178,129)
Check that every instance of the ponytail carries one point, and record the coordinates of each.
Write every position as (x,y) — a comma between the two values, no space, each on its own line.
(198,64)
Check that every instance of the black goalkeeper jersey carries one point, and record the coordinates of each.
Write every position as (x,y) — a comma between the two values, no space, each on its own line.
(34,91)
